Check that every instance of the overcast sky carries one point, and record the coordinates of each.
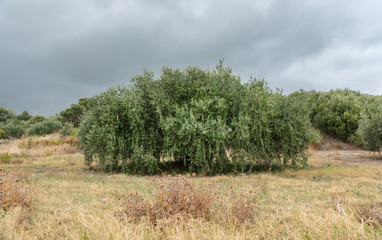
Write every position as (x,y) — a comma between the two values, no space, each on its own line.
(53,52)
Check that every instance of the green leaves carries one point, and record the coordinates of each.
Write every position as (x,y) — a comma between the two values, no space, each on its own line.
(205,120)
(344,114)
(370,131)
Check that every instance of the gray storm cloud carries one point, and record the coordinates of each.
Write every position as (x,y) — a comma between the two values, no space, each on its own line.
(54,52)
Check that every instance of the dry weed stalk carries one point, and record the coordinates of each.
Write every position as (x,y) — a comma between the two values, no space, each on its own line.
(369,213)
(13,192)
(179,198)
(176,197)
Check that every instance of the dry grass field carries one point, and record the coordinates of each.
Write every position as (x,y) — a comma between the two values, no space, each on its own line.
(338,197)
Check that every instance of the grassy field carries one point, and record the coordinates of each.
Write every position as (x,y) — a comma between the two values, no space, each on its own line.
(332,199)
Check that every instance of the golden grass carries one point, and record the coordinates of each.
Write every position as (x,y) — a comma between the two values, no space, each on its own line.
(41,146)
(340,201)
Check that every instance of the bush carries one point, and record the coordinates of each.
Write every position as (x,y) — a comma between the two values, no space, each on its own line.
(6,114)
(205,120)
(72,114)
(36,119)
(67,129)
(14,129)
(370,131)
(24,116)
(44,127)
(338,112)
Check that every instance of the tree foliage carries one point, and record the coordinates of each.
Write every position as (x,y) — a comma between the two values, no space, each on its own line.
(14,128)
(6,114)
(24,116)
(47,126)
(370,131)
(338,112)
(204,120)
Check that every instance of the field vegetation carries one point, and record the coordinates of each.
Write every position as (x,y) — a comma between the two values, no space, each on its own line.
(333,198)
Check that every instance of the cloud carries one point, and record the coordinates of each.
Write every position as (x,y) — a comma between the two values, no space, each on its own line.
(343,66)
(55,52)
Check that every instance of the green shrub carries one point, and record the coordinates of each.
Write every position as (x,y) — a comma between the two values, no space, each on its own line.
(338,112)
(6,114)
(14,129)
(370,131)
(44,127)
(67,129)
(72,114)
(24,116)
(205,120)
(36,119)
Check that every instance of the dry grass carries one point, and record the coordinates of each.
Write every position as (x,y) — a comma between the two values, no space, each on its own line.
(13,191)
(336,200)
(42,146)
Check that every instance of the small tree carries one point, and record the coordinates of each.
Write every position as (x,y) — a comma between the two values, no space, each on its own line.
(24,116)
(6,114)
(72,114)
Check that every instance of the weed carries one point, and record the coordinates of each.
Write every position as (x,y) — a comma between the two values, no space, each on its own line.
(5,158)
(48,153)
(176,196)
(13,192)
(26,144)
(180,198)
(370,213)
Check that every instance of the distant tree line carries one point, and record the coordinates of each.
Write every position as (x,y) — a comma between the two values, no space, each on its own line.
(345,114)
(13,125)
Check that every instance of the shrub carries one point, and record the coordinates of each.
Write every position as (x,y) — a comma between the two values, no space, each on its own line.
(13,192)
(6,114)
(205,120)
(67,129)
(72,114)
(370,131)
(44,127)
(14,129)
(24,116)
(36,119)
(338,112)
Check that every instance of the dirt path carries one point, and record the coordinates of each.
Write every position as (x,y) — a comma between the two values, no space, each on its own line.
(353,157)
